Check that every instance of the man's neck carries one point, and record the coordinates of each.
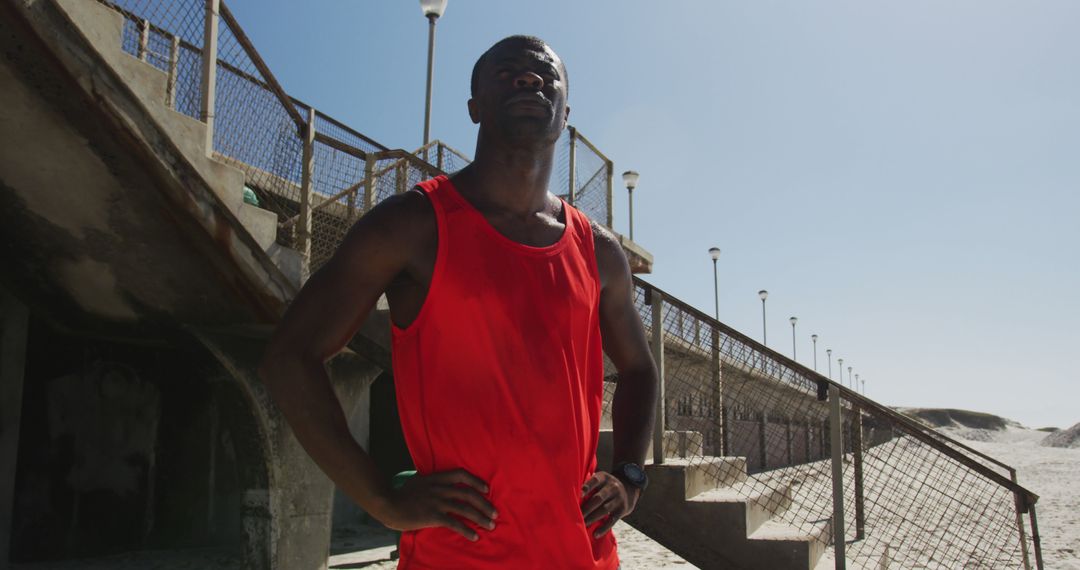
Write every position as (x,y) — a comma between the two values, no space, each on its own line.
(509,180)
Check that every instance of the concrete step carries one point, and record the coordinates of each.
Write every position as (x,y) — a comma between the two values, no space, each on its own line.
(758,506)
(776,544)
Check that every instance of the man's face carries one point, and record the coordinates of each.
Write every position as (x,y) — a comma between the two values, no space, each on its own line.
(521,91)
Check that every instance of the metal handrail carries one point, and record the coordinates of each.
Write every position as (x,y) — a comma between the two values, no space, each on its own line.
(268,76)
(918,430)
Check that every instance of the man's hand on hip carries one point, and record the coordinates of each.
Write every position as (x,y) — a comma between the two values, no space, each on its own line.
(610,498)
(431,500)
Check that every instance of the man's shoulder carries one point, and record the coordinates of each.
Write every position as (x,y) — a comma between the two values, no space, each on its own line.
(409,211)
(611,261)
(604,240)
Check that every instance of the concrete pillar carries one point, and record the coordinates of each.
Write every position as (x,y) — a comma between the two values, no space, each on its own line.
(290,523)
(14,319)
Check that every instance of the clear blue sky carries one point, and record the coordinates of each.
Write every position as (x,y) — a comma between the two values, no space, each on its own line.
(902,176)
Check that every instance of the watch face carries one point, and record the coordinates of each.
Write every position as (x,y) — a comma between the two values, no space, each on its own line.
(634,473)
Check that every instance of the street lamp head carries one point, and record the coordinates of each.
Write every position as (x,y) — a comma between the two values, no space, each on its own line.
(849,370)
(793,320)
(828,351)
(630,179)
(714,252)
(841,361)
(763,294)
(813,337)
(856,377)
(433,8)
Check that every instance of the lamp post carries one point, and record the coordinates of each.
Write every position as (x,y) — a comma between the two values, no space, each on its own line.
(840,362)
(793,320)
(714,252)
(763,294)
(857,383)
(864,386)
(630,179)
(813,338)
(849,378)
(433,10)
(828,356)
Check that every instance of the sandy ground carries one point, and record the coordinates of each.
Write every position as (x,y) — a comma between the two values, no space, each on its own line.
(1053,473)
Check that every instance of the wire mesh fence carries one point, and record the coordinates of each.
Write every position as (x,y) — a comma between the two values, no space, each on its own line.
(911,500)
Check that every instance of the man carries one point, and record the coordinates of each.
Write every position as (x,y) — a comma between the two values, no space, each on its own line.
(500,296)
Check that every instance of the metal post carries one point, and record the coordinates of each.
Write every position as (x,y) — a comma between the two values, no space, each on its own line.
(725,435)
(571,192)
(303,236)
(719,427)
(440,158)
(402,176)
(1020,507)
(630,191)
(716,291)
(144,39)
(369,182)
(787,436)
(806,436)
(174,63)
(764,331)
(836,440)
(610,194)
(657,301)
(430,69)
(209,70)
(1035,540)
(350,207)
(763,424)
(857,448)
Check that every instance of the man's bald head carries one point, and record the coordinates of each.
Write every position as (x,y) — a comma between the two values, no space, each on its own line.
(522,41)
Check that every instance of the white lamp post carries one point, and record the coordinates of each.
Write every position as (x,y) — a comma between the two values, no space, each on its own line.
(714,252)
(793,320)
(813,338)
(630,178)
(433,10)
(763,294)
(828,356)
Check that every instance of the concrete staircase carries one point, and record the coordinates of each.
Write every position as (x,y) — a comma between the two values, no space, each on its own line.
(103,28)
(709,511)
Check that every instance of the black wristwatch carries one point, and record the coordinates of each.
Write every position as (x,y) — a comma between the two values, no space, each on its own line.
(631,474)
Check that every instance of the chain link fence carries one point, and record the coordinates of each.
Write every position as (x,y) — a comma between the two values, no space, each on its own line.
(912,498)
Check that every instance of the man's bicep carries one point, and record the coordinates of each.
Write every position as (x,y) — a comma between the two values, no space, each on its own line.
(620,325)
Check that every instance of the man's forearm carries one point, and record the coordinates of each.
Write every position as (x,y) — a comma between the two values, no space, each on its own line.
(633,410)
(303,393)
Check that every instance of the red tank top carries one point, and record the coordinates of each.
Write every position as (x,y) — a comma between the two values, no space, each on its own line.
(501,374)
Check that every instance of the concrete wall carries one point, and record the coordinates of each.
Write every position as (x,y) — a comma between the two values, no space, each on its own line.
(768,420)
(130,447)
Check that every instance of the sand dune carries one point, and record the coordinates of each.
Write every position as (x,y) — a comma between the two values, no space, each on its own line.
(1068,438)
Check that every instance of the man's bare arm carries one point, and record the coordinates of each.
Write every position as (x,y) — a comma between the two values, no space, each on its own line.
(320,321)
(634,404)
